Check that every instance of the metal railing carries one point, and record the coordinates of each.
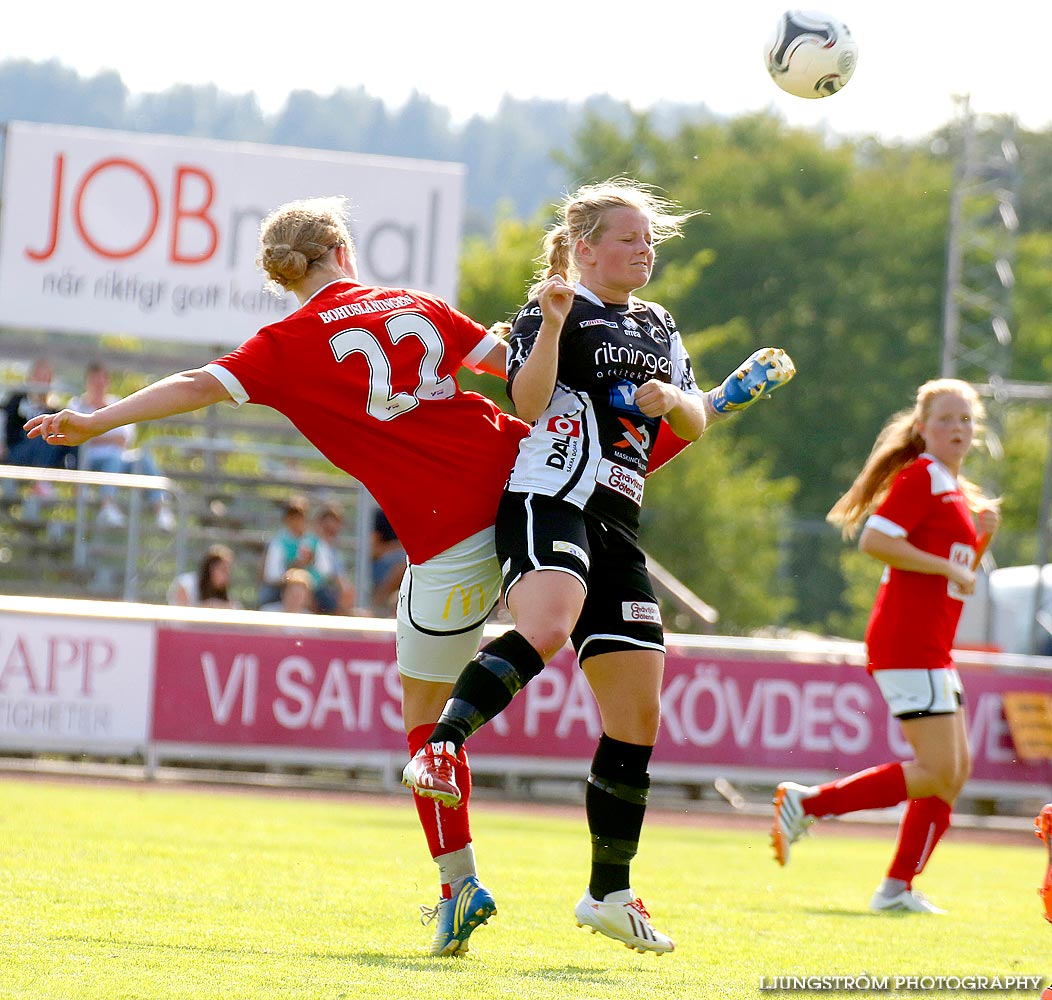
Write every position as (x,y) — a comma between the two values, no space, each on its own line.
(681,597)
(137,485)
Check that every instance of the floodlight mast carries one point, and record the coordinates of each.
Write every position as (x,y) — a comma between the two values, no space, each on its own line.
(977,298)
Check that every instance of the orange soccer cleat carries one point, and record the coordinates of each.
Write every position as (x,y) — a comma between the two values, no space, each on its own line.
(1043,828)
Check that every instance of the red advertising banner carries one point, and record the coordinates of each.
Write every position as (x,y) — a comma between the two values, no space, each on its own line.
(275,688)
(800,716)
(718,709)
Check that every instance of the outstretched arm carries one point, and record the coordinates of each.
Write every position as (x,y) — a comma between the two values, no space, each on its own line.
(759,375)
(180,393)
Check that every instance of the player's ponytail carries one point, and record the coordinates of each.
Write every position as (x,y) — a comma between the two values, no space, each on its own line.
(896,446)
(556,258)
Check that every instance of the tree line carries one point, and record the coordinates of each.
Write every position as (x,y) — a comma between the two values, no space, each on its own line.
(511,157)
(837,253)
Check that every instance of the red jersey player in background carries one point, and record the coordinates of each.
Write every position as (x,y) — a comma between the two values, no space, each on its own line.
(924,530)
(368,375)
(1043,828)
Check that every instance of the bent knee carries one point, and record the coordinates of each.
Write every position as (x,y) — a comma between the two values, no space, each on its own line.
(962,774)
(637,724)
(948,782)
(547,638)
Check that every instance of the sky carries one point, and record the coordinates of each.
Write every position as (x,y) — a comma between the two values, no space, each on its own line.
(916,59)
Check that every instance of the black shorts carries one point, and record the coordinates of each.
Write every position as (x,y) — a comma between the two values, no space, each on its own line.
(620,610)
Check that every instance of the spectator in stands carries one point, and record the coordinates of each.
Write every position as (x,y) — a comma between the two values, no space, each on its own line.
(291,547)
(388,566)
(16,447)
(113,452)
(208,586)
(334,594)
(922,519)
(297,594)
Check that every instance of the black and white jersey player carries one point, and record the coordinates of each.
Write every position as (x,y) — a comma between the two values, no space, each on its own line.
(596,371)
(592,445)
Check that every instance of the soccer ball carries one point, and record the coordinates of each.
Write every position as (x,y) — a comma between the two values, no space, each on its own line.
(810,54)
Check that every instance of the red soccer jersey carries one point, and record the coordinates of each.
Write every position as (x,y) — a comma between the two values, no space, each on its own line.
(915,615)
(368,376)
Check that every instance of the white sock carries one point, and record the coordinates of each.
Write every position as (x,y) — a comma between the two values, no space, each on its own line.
(456,867)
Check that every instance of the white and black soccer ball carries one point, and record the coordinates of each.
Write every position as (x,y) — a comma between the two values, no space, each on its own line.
(810,54)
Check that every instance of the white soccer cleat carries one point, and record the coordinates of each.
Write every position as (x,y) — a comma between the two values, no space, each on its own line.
(623,917)
(790,820)
(906,901)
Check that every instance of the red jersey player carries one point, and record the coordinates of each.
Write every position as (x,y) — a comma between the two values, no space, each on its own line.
(368,375)
(923,531)
(1043,828)
(915,615)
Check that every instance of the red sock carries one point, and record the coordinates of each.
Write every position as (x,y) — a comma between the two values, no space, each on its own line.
(446,829)
(875,788)
(923,823)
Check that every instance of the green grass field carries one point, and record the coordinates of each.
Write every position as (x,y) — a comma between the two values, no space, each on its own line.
(131,891)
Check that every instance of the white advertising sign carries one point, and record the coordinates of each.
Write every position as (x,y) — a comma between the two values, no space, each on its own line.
(75,684)
(156,236)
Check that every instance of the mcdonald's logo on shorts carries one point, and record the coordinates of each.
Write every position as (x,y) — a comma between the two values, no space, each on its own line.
(466,597)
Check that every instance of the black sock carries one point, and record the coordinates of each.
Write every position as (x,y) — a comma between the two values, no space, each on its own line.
(486,686)
(615,803)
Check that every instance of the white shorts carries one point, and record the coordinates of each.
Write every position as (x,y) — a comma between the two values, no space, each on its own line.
(443,605)
(913,694)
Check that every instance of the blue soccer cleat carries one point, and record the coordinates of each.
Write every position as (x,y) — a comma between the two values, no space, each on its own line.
(471,907)
(763,372)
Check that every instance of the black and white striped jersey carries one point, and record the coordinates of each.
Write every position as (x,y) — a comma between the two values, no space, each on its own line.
(591,446)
